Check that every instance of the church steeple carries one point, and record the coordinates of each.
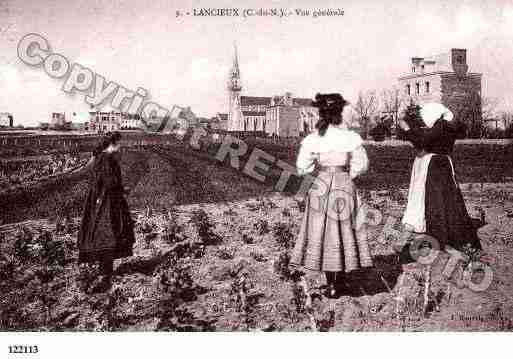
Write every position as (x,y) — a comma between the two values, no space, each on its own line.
(234,80)
(235,70)
(235,116)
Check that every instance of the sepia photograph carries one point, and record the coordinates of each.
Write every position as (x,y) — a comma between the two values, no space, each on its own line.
(256,166)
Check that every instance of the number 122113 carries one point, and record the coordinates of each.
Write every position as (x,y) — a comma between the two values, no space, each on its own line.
(23,349)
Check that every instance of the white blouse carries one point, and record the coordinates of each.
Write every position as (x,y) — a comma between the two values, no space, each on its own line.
(338,147)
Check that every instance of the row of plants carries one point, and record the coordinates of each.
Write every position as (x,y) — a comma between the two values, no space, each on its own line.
(383,128)
(21,172)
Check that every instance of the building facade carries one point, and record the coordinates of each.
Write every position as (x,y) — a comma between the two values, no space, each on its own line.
(58,120)
(112,121)
(273,115)
(186,119)
(104,121)
(6,119)
(115,120)
(219,121)
(445,78)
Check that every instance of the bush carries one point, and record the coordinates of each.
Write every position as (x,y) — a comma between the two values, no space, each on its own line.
(509,131)
(205,227)
(475,130)
(461,130)
(494,133)
(498,133)
(283,234)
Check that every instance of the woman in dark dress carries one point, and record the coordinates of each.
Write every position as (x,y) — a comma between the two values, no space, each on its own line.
(106,232)
(435,203)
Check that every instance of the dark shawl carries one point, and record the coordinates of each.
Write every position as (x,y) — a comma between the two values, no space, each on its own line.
(438,139)
(107,228)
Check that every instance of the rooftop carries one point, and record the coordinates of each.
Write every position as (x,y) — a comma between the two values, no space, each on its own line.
(267,101)
(253,113)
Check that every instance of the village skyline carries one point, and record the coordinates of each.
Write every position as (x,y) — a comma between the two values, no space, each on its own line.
(185,62)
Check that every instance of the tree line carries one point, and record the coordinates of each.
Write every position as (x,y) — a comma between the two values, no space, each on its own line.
(377,114)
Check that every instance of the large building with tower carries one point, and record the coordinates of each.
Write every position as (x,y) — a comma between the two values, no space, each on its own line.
(274,115)
(445,78)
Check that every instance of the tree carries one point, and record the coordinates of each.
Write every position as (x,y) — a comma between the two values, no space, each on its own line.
(506,120)
(366,107)
(473,111)
(508,133)
(392,103)
(497,124)
(489,106)
(382,129)
(412,118)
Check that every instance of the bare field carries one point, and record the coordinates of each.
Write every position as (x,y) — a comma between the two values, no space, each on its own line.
(186,277)
(212,248)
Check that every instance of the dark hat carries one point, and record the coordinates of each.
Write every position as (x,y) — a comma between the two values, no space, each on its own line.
(106,140)
(112,137)
(329,103)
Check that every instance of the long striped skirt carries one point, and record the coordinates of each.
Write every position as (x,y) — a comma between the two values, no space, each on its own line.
(333,235)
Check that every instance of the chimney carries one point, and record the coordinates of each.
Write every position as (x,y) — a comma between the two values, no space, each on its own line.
(459,61)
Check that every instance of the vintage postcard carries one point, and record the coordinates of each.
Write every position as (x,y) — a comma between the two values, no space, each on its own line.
(256,166)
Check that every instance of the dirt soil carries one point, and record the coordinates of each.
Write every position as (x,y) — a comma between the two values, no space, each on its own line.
(222,266)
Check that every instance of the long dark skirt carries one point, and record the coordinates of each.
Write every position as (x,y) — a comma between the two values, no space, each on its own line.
(107,229)
(447,219)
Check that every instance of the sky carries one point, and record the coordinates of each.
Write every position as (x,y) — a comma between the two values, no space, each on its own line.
(185,60)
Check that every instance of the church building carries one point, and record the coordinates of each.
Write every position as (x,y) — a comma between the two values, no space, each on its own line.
(274,115)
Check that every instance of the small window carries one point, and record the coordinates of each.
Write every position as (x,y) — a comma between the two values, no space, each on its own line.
(413,69)
(427,86)
(408,89)
(417,88)
(422,67)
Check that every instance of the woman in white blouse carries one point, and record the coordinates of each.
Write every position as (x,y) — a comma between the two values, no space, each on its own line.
(333,237)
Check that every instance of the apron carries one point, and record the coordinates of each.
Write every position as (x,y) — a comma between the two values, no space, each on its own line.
(415,215)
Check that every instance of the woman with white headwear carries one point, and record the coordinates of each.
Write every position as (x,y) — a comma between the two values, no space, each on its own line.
(435,203)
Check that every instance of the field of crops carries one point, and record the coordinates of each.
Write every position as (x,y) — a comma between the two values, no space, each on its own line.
(30,170)
(212,252)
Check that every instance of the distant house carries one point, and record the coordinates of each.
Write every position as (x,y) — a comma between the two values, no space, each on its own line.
(282,121)
(6,119)
(445,78)
(58,120)
(186,119)
(103,121)
(219,121)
